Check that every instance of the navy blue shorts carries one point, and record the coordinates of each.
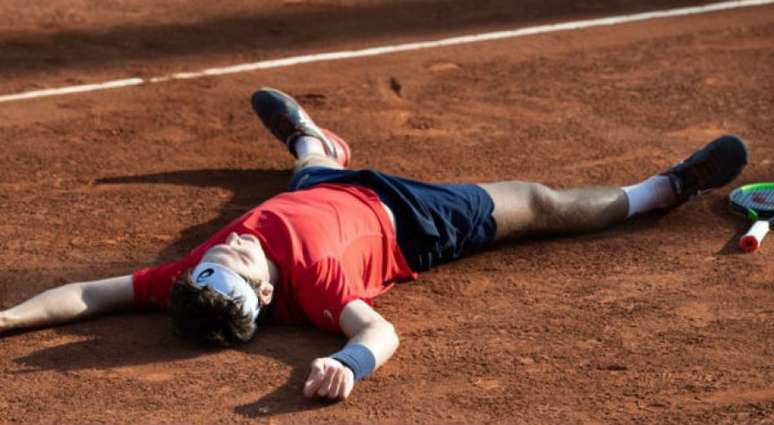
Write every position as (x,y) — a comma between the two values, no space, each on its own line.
(435,223)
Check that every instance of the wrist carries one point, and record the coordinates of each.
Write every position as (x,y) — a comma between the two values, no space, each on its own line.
(358,358)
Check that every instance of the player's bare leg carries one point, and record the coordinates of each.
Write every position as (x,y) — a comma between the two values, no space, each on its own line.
(523,208)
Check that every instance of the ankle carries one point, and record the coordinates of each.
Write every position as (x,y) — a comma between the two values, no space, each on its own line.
(655,192)
(307,145)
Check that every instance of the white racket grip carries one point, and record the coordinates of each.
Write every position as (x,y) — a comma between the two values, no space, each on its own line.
(753,238)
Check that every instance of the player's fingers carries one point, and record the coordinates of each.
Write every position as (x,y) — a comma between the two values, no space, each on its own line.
(330,377)
(334,393)
(349,384)
(316,376)
(338,389)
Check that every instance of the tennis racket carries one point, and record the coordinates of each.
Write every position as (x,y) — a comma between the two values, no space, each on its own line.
(756,201)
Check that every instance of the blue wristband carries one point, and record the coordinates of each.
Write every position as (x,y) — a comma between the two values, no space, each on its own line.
(358,358)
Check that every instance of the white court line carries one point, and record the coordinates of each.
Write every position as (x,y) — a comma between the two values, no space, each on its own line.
(374,51)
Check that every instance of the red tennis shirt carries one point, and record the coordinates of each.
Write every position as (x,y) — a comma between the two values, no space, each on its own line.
(332,244)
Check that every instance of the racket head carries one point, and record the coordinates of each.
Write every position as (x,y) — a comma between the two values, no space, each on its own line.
(755,200)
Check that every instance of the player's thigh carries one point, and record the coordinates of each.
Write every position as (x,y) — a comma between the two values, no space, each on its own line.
(515,205)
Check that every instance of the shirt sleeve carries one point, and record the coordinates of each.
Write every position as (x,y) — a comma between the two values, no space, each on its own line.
(322,291)
(152,284)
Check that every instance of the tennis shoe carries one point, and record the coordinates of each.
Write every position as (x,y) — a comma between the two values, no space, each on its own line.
(713,166)
(287,121)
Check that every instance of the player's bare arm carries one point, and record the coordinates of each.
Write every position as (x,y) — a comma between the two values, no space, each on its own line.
(371,339)
(70,302)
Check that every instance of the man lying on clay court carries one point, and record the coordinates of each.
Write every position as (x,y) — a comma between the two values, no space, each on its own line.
(321,252)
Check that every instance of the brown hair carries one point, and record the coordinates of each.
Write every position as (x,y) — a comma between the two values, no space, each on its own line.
(208,317)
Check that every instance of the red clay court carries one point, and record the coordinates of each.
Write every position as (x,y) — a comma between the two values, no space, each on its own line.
(660,321)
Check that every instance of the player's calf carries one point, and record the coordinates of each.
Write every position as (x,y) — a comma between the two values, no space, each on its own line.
(576,210)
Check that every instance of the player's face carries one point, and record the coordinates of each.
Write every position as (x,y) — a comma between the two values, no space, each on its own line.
(242,254)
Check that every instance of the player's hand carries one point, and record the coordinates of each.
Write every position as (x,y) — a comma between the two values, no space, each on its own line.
(329,379)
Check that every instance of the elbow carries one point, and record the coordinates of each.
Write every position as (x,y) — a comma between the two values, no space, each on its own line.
(392,335)
(5,324)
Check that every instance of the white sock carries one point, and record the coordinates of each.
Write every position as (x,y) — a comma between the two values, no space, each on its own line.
(655,192)
(306,145)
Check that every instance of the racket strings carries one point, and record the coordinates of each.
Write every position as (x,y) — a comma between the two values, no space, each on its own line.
(760,200)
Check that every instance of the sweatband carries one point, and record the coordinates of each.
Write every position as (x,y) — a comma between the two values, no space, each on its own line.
(227,283)
(358,358)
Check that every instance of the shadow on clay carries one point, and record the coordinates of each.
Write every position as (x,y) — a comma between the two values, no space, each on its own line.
(263,34)
(737,227)
(249,188)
